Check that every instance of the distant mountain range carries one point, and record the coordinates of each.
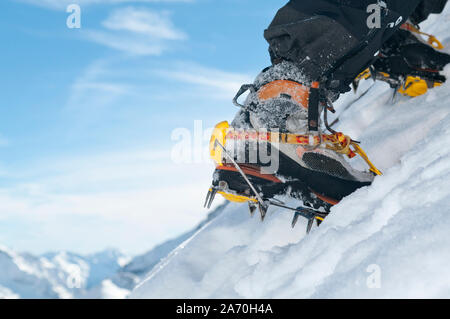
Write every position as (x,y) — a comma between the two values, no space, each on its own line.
(108,274)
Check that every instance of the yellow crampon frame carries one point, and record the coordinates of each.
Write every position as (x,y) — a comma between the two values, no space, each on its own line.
(218,135)
(415,86)
(432,40)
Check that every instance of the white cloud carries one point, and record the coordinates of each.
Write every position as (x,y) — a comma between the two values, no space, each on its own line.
(90,88)
(155,25)
(131,199)
(62,4)
(104,82)
(223,83)
(132,44)
(137,31)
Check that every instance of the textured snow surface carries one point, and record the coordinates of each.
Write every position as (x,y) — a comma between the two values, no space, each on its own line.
(396,230)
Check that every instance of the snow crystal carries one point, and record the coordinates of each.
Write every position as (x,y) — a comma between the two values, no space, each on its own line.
(281,71)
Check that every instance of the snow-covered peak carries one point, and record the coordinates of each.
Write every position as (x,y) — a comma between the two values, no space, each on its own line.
(55,275)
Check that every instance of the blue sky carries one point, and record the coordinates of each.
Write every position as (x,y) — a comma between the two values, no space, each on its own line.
(87,115)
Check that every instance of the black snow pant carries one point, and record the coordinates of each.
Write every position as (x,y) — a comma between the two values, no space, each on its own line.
(425,8)
(332,41)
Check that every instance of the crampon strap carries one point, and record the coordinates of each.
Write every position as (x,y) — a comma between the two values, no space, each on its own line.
(432,40)
(337,142)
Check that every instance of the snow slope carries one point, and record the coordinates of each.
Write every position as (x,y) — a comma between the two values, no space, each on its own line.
(141,265)
(389,240)
(137,269)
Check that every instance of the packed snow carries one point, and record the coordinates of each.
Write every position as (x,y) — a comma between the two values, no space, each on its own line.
(389,240)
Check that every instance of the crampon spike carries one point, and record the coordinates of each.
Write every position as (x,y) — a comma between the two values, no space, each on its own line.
(295,220)
(252,208)
(262,210)
(355,85)
(394,94)
(310,224)
(210,197)
(311,215)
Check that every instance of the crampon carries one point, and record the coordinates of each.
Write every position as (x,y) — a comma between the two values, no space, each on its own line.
(275,148)
(410,63)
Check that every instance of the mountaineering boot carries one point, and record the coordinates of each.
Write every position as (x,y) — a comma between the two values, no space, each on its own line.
(409,63)
(275,146)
